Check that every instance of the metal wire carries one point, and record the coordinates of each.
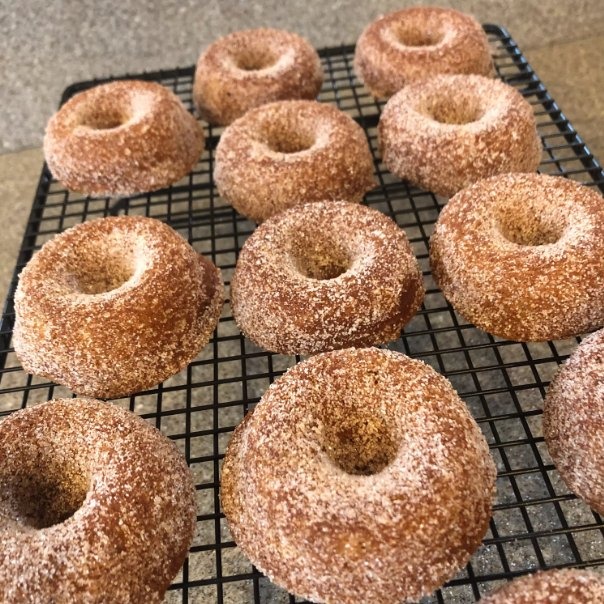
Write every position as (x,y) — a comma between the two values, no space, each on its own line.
(536,523)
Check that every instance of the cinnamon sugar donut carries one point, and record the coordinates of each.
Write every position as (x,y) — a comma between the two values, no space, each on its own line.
(359,477)
(522,256)
(573,421)
(324,276)
(561,586)
(96,505)
(249,68)
(122,138)
(115,305)
(452,130)
(289,153)
(417,43)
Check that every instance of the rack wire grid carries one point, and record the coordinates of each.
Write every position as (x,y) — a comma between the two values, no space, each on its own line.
(537,523)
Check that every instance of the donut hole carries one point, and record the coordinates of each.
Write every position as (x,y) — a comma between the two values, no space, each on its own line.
(522,223)
(45,495)
(455,110)
(106,118)
(105,278)
(288,140)
(409,34)
(255,59)
(319,259)
(286,132)
(101,267)
(358,441)
(294,144)
(321,269)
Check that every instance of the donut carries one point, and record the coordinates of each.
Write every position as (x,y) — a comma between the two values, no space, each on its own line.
(96,505)
(521,256)
(573,421)
(417,43)
(324,276)
(448,132)
(114,306)
(561,586)
(249,68)
(122,138)
(289,153)
(359,477)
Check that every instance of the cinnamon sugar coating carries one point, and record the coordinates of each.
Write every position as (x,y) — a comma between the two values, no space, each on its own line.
(122,138)
(417,43)
(324,276)
(573,421)
(522,256)
(359,477)
(115,305)
(289,153)
(448,132)
(561,586)
(96,505)
(249,68)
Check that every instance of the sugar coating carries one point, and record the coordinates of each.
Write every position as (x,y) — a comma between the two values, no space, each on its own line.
(131,534)
(552,286)
(573,421)
(417,43)
(115,305)
(329,159)
(562,586)
(448,132)
(393,534)
(249,68)
(284,299)
(122,138)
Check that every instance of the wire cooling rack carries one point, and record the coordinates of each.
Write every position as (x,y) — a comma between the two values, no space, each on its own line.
(536,522)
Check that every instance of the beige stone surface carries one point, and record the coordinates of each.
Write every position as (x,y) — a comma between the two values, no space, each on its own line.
(574,76)
(19,174)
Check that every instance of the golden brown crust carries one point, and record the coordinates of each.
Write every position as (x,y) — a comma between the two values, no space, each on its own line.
(115,305)
(563,586)
(249,68)
(573,421)
(289,153)
(522,256)
(360,477)
(122,138)
(446,133)
(324,276)
(417,43)
(122,504)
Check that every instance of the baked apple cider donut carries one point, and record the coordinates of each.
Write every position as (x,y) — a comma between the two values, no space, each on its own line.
(324,276)
(359,477)
(115,305)
(450,131)
(559,586)
(522,256)
(417,43)
(573,421)
(96,505)
(122,138)
(249,68)
(289,153)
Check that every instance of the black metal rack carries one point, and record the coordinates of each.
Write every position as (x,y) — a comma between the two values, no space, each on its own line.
(536,523)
